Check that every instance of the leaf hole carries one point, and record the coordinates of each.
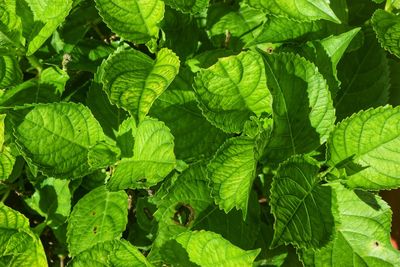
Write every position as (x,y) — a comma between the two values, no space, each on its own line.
(143,180)
(95,230)
(184,214)
(93,213)
(376,243)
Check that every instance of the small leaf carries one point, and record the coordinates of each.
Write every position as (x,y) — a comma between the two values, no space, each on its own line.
(97,217)
(209,249)
(303,208)
(135,87)
(134,20)
(232,90)
(153,158)
(370,139)
(231,172)
(387,29)
(57,137)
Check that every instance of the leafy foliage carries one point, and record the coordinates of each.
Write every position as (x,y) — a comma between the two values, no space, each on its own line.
(198,132)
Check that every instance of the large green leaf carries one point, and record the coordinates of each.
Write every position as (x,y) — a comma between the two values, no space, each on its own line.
(231,173)
(57,138)
(97,217)
(10,72)
(362,72)
(232,90)
(366,145)
(305,10)
(41,19)
(188,6)
(19,246)
(52,200)
(133,80)
(303,112)
(179,101)
(387,29)
(303,208)
(209,249)
(134,20)
(110,253)
(153,158)
(362,238)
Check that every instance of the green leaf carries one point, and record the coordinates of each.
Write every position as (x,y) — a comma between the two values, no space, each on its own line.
(336,45)
(231,172)
(10,27)
(394,82)
(188,6)
(135,87)
(362,239)
(134,20)
(19,246)
(175,25)
(303,208)
(153,158)
(57,138)
(97,217)
(7,161)
(46,88)
(362,72)
(108,115)
(44,18)
(303,10)
(387,29)
(189,193)
(242,23)
(52,200)
(10,72)
(370,139)
(303,112)
(281,29)
(110,253)
(179,101)
(242,233)
(125,137)
(232,90)
(210,249)
(55,77)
